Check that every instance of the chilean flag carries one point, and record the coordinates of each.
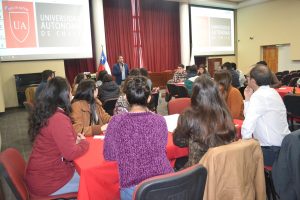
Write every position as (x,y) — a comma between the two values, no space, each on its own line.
(103,65)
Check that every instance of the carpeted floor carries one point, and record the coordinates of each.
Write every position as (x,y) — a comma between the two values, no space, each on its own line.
(13,133)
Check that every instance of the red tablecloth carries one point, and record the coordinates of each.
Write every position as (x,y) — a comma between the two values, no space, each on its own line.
(99,179)
(285,89)
(238,125)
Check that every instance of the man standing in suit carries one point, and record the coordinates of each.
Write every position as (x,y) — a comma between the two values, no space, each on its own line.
(120,70)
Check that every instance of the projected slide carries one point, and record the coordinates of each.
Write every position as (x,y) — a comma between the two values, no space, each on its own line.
(212,31)
(44,29)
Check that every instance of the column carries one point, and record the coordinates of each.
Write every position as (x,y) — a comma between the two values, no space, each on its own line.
(184,33)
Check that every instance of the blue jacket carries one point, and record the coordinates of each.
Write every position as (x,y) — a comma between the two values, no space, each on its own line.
(116,72)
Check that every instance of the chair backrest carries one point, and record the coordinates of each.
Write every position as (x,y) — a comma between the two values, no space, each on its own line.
(286,79)
(187,184)
(109,105)
(292,104)
(285,72)
(235,171)
(293,81)
(285,170)
(279,76)
(182,91)
(177,106)
(172,89)
(12,168)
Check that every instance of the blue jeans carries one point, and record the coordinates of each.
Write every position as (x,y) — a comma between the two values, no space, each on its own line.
(270,154)
(127,193)
(71,186)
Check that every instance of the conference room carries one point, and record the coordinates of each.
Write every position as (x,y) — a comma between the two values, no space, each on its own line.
(85,37)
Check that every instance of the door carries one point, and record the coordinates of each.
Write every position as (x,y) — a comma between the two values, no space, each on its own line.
(213,65)
(270,55)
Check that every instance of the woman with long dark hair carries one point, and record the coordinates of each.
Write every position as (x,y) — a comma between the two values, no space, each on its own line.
(77,80)
(88,115)
(207,123)
(231,95)
(50,170)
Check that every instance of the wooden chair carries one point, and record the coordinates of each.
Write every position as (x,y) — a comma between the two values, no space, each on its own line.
(30,94)
(28,106)
(12,169)
(177,106)
(187,184)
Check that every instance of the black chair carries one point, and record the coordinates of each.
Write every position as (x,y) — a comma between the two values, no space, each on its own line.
(293,82)
(182,92)
(172,90)
(285,72)
(279,77)
(292,104)
(286,79)
(109,105)
(188,184)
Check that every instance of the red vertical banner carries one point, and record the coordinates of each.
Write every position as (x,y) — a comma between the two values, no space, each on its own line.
(19,24)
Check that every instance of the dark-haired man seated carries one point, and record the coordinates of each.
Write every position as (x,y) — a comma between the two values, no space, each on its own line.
(180,74)
(265,113)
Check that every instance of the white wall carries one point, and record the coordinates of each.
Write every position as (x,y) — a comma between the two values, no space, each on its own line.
(284,59)
(269,23)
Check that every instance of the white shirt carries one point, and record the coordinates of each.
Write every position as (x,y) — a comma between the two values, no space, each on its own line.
(265,117)
(123,71)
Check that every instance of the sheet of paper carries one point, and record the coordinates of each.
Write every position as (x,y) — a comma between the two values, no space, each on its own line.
(99,137)
(171,122)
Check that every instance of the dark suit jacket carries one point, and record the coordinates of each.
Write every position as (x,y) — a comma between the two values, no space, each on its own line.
(116,72)
(285,171)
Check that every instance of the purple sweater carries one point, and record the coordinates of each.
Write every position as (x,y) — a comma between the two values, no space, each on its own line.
(137,141)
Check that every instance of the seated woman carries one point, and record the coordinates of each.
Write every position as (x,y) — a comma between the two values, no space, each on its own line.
(108,89)
(202,71)
(87,112)
(207,123)
(232,95)
(140,146)
(77,80)
(99,78)
(122,104)
(50,170)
